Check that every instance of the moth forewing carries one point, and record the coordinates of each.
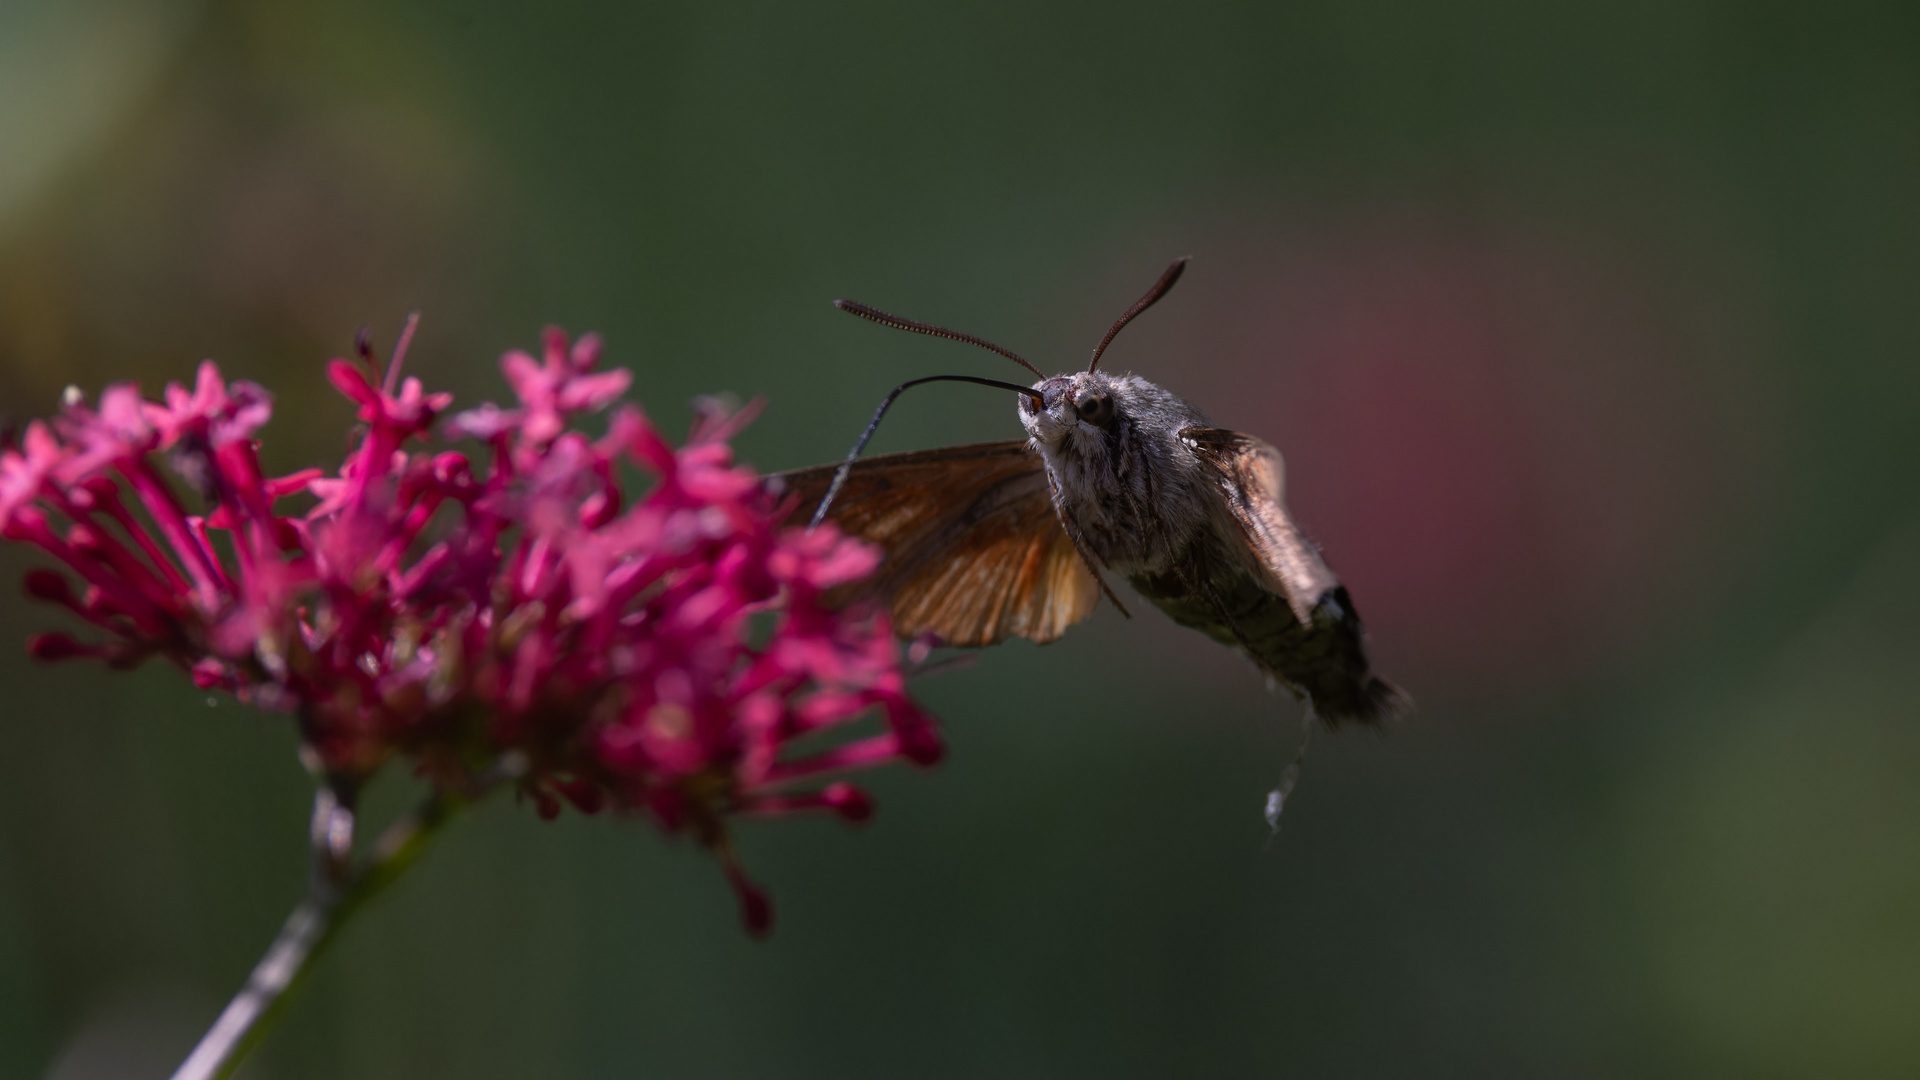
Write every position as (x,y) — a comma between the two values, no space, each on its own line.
(1253,495)
(972,551)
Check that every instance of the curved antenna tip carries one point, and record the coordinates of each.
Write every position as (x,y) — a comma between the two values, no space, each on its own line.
(1160,288)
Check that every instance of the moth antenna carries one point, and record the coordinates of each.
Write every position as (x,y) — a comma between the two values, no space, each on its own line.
(855,307)
(1154,294)
(846,467)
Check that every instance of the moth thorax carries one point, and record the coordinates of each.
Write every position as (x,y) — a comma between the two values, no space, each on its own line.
(1107,485)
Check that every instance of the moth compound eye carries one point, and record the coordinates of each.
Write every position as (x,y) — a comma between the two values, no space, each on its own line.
(1095,409)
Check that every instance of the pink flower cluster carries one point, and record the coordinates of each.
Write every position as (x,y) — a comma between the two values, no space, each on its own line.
(670,651)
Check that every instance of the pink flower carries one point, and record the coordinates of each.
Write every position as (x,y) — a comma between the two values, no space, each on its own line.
(662,653)
(216,411)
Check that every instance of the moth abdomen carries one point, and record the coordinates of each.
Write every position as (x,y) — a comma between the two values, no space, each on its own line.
(1323,660)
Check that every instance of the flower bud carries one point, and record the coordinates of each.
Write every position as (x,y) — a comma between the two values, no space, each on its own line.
(56,646)
(49,586)
(850,802)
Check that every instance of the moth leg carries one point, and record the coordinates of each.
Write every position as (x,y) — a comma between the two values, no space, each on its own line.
(1277,798)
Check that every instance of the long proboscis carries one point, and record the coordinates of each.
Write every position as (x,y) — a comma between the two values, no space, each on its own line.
(1171,275)
(846,467)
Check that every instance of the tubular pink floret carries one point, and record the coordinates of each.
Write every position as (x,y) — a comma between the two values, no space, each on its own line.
(56,646)
(130,576)
(172,523)
(841,799)
(100,494)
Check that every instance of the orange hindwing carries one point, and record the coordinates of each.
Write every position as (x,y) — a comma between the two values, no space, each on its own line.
(973,550)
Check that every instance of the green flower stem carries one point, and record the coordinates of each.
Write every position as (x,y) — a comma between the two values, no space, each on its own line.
(336,893)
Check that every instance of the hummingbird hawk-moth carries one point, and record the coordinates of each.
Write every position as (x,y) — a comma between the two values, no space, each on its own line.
(995,540)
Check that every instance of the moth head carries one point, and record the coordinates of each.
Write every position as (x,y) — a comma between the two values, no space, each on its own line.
(1085,404)
(1083,408)
(1091,416)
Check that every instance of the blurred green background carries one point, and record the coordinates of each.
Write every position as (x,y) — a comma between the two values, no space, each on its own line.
(1589,332)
